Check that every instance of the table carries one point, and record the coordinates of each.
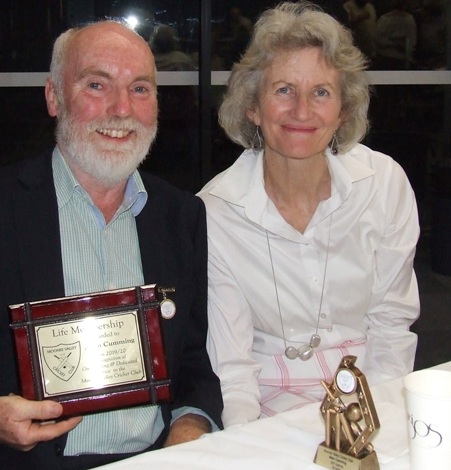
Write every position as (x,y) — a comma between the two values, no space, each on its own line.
(287,441)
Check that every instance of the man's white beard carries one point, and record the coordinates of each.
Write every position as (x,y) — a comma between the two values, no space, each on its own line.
(108,163)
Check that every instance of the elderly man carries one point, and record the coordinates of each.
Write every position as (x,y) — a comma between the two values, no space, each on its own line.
(85,220)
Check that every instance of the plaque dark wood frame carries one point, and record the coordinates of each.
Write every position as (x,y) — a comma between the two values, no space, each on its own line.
(145,299)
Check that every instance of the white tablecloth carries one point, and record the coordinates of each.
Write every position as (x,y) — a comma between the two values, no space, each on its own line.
(287,441)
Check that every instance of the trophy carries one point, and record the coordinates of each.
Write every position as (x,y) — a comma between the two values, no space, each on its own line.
(350,420)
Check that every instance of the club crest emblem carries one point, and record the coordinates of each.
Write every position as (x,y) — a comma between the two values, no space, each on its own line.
(62,359)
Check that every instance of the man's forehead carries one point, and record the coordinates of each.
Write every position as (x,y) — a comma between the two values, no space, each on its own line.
(103,47)
(109,35)
(104,28)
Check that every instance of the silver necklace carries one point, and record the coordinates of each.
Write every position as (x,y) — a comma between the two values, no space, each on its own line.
(305,351)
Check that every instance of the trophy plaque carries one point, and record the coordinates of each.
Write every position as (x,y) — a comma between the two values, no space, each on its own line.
(94,352)
(350,420)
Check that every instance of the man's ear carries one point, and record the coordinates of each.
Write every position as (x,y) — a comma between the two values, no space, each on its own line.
(51,98)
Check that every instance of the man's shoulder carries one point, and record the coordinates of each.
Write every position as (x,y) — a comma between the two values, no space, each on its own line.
(39,159)
(176,212)
(28,170)
(161,191)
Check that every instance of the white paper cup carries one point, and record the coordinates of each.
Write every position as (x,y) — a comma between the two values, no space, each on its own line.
(428,399)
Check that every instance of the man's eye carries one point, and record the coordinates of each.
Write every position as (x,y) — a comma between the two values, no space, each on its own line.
(140,89)
(95,85)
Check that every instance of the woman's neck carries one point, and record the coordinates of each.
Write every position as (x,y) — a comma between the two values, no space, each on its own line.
(296,187)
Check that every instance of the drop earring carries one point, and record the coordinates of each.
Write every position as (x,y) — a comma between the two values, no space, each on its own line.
(334,144)
(257,139)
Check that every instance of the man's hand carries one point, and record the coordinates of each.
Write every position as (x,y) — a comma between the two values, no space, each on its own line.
(25,423)
(187,428)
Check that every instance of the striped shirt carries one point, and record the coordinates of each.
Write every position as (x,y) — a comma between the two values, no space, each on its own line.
(97,257)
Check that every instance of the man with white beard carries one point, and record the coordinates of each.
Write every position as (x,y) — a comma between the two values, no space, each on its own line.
(83,220)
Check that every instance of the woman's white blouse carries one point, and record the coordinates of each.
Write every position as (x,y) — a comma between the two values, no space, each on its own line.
(370,290)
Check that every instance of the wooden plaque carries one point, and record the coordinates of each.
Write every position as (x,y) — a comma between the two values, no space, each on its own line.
(92,352)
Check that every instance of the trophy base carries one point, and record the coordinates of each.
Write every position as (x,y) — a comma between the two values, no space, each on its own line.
(335,460)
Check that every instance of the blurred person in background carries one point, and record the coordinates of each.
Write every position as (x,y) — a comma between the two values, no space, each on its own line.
(362,21)
(396,38)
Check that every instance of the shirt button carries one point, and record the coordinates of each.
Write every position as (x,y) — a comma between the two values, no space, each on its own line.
(315,279)
(58,452)
(323,315)
(329,330)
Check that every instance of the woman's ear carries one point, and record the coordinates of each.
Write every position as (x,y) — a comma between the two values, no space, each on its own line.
(342,118)
(253,116)
(51,98)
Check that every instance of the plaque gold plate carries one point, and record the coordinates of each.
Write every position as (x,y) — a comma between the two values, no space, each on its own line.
(93,352)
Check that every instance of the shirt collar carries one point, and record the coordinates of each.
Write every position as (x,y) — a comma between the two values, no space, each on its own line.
(66,185)
(243,185)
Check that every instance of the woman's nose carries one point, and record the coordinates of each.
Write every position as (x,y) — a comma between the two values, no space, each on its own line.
(302,107)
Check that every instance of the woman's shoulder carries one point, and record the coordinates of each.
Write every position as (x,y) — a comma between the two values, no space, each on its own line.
(233,183)
(385,166)
(370,155)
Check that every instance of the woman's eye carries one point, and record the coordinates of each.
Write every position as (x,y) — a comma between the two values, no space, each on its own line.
(322,92)
(284,90)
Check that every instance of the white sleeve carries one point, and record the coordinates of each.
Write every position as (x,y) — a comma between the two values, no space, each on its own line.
(229,342)
(395,301)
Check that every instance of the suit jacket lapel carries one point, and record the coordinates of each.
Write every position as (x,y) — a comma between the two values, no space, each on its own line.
(38,238)
(150,237)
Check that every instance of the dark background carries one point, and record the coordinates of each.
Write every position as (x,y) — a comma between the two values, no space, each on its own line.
(410,120)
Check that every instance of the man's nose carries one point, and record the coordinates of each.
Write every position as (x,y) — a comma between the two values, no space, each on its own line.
(120,105)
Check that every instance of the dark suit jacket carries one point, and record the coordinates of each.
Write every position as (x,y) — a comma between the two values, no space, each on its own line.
(172,238)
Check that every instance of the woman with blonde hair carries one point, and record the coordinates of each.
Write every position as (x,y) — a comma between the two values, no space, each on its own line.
(311,235)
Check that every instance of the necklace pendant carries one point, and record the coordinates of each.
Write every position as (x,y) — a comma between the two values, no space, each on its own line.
(315,341)
(291,352)
(305,352)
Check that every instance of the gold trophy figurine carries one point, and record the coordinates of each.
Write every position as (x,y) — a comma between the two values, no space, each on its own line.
(351,420)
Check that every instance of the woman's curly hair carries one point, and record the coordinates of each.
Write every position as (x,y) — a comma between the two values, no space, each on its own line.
(292,26)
